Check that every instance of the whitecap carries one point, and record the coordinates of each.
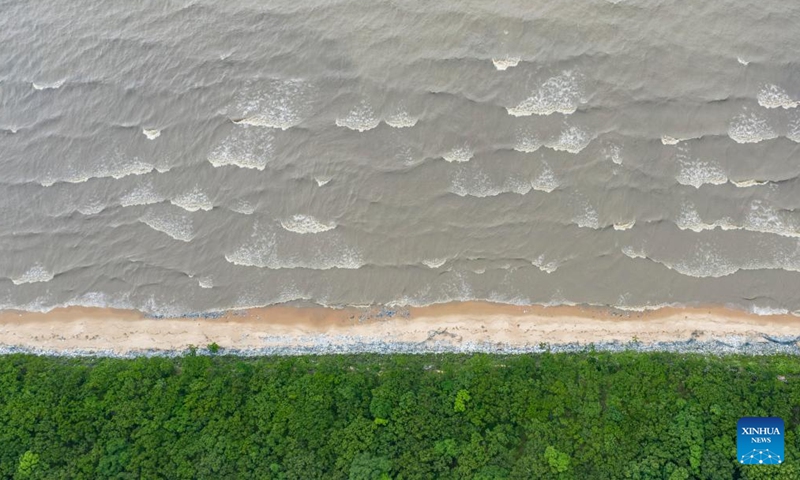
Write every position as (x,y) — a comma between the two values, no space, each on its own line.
(773,96)
(322,181)
(613,152)
(151,134)
(571,140)
(283,104)
(506,62)
(764,218)
(205,282)
(115,170)
(742,61)
(587,218)
(479,184)
(267,250)
(696,172)
(193,201)
(176,226)
(750,128)
(793,133)
(245,147)
(667,140)
(92,208)
(766,311)
(624,226)
(48,86)
(244,207)
(434,262)
(546,181)
(542,264)
(562,94)
(401,119)
(141,195)
(459,154)
(689,219)
(749,183)
(306,224)
(35,274)
(361,118)
(633,252)
(527,142)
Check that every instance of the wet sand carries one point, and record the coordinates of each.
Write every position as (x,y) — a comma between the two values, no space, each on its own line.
(453,327)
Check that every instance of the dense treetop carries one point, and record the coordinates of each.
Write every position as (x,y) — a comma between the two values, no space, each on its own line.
(562,416)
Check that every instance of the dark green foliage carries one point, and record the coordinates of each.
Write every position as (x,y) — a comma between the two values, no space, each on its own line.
(560,416)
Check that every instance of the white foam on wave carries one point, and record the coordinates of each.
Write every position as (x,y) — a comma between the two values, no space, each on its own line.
(92,208)
(283,104)
(793,132)
(434,262)
(48,86)
(401,119)
(624,226)
(572,140)
(322,181)
(587,217)
(177,226)
(696,172)
(667,140)
(546,181)
(267,249)
(306,224)
(244,207)
(245,147)
(765,218)
(205,282)
(742,61)
(459,154)
(767,311)
(613,152)
(504,63)
(773,96)
(141,195)
(689,219)
(542,264)
(478,184)
(527,142)
(193,201)
(749,183)
(361,118)
(151,134)
(633,252)
(113,169)
(35,274)
(750,128)
(562,94)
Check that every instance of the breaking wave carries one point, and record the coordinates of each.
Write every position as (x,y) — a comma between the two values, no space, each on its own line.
(361,118)
(193,201)
(306,224)
(750,128)
(35,274)
(245,147)
(459,154)
(505,63)
(773,96)
(562,94)
(177,226)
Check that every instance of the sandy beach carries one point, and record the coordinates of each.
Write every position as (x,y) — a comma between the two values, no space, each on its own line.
(469,326)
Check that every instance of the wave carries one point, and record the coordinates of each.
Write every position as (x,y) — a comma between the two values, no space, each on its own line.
(613,152)
(35,274)
(587,217)
(48,86)
(244,207)
(562,94)
(267,249)
(306,224)
(749,183)
(193,201)
(322,181)
(151,134)
(742,61)
(435,262)
(115,171)
(245,147)
(205,282)
(92,208)
(459,154)
(141,195)
(696,172)
(361,118)
(176,226)
(478,184)
(283,104)
(773,96)
(542,264)
(527,142)
(793,132)
(401,119)
(571,140)
(624,226)
(667,140)
(505,63)
(761,218)
(750,128)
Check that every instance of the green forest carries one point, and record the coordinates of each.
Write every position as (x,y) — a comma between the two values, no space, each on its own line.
(588,415)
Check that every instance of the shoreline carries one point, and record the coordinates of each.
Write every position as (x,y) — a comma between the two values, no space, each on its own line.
(462,327)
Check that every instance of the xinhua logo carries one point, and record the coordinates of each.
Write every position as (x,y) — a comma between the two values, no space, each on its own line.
(759,440)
